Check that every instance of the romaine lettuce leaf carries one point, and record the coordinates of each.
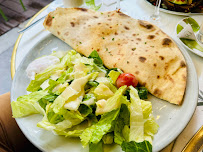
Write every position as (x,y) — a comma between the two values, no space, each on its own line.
(95,133)
(28,104)
(142,92)
(96,147)
(132,146)
(72,96)
(142,122)
(103,92)
(84,110)
(59,122)
(113,76)
(123,119)
(41,77)
(150,126)
(89,99)
(104,106)
(74,133)
(107,82)
(95,55)
(136,117)
(108,138)
(146,108)
(98,64)
(54,118)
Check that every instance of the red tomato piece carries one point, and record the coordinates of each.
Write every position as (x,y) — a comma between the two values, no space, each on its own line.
(126,79)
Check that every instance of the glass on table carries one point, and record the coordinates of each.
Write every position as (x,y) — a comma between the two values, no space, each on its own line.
(73,3)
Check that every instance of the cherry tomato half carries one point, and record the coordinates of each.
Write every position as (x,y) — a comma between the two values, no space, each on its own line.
(126,79)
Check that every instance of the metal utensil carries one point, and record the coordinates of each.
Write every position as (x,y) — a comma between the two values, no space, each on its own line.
(51,7)
(195,144)
(31,25)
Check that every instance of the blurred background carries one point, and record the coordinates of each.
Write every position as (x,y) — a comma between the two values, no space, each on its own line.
(14,14)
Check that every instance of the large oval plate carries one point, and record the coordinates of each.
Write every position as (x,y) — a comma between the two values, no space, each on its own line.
(172,119)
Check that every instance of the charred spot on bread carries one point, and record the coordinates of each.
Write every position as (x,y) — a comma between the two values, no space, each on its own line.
(161,57)
(166,42)
(122,14)
(127,28)
(49,20)
(182,64)
(142,59)
(146,25)
(151,36)
(157,92)
(82,9)
(184,77)
(137,72)
(72,24)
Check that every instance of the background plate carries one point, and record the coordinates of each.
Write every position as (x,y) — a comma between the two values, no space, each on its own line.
(199,21)
(172,119)
(174,12)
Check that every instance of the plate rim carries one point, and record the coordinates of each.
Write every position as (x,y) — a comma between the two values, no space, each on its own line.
(173,137)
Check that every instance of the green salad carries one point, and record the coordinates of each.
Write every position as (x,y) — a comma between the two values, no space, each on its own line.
(78,98)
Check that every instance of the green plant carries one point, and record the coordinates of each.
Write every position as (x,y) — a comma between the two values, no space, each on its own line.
(4,16)
(22,5)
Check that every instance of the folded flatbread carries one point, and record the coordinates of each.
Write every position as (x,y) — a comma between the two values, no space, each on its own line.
(134,46)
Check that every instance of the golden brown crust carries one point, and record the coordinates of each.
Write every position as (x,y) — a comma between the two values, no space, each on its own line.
(134,46)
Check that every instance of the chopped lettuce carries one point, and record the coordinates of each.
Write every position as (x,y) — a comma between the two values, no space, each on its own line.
(142,122)
(103,92)
(136,117)
(96,57)
(96,147)
(74,133)
(72,96)
(84,110)
(59,122)
(95,133)
(78,98)
(89,99)
(142,92)
(41,77)
(104,106)
(98,64)
(54,118)
(122,121)
(107,82)
(132,146)
(28,104)
(108,138)
(113,76)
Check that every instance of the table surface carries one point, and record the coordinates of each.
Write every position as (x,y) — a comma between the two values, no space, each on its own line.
(138,9)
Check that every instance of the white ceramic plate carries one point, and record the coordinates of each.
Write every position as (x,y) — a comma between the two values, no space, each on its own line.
(172,119)
(199,21)
(174,12)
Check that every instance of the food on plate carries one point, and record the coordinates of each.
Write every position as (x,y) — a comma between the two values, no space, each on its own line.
(134,46)
(126,79)
(77,97)
(194,6)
